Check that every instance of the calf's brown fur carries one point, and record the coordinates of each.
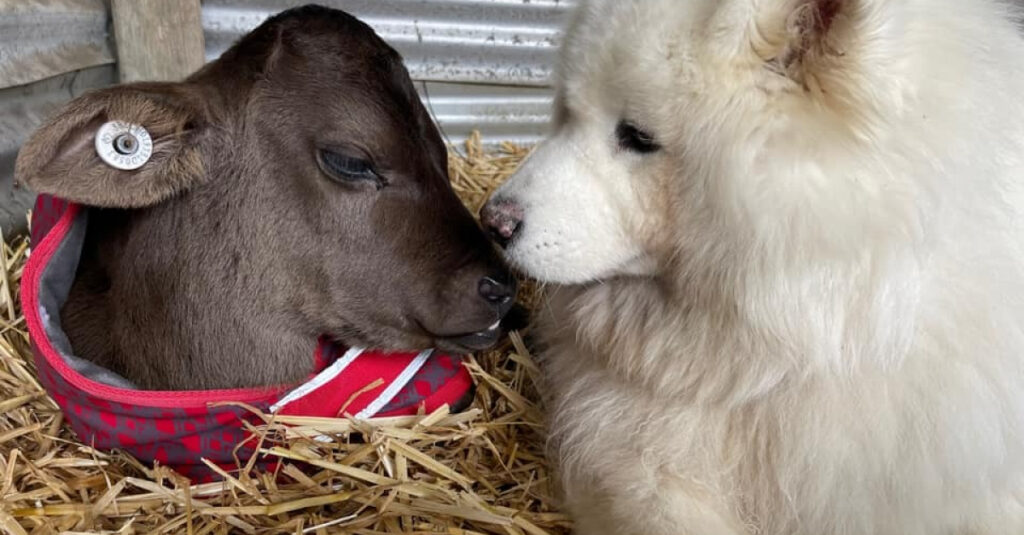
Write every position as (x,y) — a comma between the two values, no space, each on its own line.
(219,262)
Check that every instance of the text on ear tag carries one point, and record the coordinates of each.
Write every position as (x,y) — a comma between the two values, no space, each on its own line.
(123,145)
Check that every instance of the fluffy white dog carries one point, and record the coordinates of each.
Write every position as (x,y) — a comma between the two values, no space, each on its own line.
(784,242)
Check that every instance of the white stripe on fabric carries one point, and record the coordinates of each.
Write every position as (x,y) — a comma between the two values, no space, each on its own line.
(321,378)
(392,390)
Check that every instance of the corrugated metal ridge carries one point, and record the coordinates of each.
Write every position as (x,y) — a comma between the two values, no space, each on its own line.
(503,42)
(500,113)
(479,64)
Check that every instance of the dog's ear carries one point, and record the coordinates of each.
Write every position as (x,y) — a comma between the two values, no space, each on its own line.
(61,157)
(802,39)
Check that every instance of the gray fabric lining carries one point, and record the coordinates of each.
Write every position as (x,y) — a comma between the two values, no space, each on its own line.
(54,286)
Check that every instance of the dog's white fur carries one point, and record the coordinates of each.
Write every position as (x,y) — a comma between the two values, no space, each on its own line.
(805,314)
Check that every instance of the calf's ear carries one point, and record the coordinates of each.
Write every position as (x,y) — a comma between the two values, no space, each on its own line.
(61,158)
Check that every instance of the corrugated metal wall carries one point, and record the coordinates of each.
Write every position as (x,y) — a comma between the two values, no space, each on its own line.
(483,64)
(479,64)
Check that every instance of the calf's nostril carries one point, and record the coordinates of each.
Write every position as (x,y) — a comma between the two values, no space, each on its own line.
(495,292)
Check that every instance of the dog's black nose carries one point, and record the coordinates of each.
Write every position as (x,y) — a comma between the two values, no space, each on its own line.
(499,294)
(502,218)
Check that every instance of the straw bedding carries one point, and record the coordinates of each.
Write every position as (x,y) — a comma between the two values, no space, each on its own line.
(481,471)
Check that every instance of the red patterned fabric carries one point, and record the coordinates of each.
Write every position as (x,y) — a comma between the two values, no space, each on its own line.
(178,428)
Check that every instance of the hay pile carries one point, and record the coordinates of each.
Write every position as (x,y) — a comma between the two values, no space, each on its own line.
(481,471)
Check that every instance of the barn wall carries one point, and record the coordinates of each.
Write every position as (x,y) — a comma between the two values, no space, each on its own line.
(50,51)
(479,64)
(484,64)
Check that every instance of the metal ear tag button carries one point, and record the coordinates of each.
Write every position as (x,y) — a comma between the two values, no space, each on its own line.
(123,145)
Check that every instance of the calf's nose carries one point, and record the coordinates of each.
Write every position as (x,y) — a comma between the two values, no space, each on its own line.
(502,218)
(499,294)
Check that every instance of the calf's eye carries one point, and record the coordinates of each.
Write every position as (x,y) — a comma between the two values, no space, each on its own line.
(632,138)
(344,168)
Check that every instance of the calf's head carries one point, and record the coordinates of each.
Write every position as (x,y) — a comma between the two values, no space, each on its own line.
(297,180)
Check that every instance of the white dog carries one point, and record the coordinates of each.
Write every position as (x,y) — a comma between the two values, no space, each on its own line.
(785,247)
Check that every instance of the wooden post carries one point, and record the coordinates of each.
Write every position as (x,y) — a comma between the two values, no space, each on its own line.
(157,40)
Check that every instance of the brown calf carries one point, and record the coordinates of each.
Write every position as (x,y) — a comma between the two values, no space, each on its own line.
(297,187)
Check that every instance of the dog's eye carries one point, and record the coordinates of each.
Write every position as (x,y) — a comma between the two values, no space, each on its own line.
(634,139)
(345,168)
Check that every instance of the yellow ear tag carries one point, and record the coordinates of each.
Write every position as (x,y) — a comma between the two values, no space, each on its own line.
(123,145)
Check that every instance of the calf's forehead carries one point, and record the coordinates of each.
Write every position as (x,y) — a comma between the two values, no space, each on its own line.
(327,78)
(343,96)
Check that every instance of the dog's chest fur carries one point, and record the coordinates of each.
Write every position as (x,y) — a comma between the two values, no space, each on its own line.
(731,450)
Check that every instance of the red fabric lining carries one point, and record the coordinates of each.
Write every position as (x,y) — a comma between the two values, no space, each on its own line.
(180,427)
(449,394)
(328,400)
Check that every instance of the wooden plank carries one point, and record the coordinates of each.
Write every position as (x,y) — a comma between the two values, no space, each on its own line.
(159,40)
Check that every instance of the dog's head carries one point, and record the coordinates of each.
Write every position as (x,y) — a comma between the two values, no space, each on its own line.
(685,128)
